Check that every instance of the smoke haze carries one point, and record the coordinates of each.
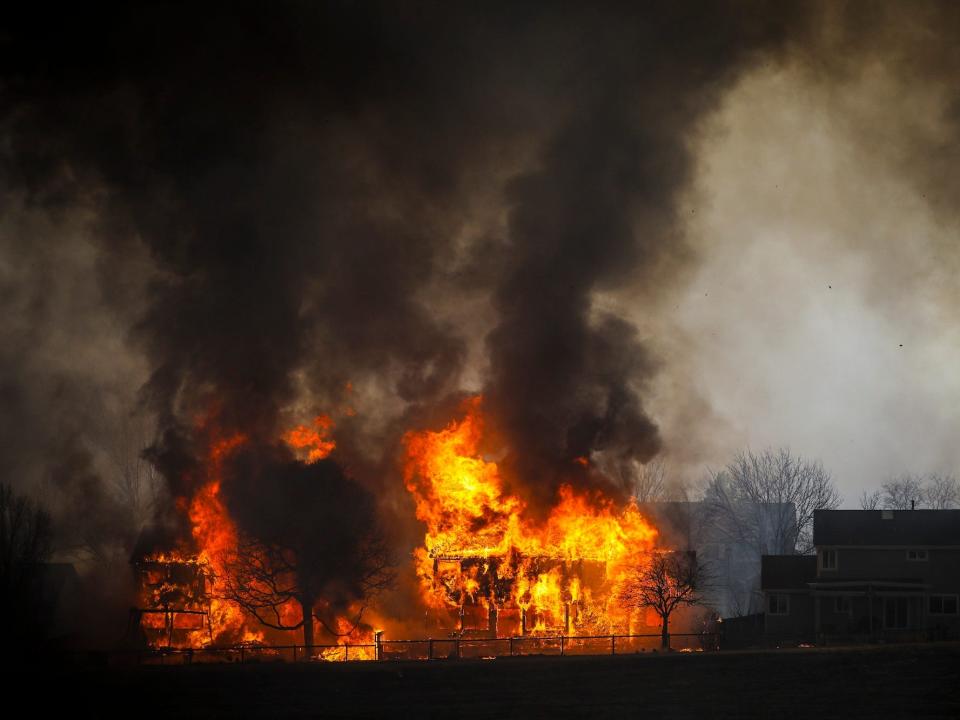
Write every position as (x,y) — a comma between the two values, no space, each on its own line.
(670,230)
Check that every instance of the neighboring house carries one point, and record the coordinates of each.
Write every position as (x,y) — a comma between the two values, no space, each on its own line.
(892,574)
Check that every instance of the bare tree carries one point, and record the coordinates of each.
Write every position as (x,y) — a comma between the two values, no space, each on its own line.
(767,500)
(663,583)
(903,493)
(645,482)
(909,491)
(265,579)
(26,538)
(870,500)
(138,483)
(942,492)
(649,482)
(313,541)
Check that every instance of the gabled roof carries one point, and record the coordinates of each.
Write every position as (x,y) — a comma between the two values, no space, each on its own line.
(787,572)
(886,527)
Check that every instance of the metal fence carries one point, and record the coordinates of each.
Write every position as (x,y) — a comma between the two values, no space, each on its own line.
(560,645)
(429,649)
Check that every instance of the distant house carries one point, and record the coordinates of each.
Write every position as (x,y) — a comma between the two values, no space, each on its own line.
(891,574)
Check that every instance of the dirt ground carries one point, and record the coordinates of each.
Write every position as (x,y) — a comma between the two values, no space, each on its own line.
(883,681)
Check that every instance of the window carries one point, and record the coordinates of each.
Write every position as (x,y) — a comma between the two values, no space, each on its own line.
(841,604)
(917,555)
(828,559)
(778,604)
(943,604)
(896,613)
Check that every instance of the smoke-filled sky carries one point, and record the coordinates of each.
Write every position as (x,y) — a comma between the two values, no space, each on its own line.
(668,230)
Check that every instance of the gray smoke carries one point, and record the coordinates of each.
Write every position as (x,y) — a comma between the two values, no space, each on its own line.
(241,208)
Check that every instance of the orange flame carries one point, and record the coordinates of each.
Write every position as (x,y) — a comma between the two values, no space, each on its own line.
(314,442)
(215,537)
(482,549)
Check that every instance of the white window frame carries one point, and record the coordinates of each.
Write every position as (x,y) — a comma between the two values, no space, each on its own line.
(943,596)
(919,555)
(822,558)
(786,601)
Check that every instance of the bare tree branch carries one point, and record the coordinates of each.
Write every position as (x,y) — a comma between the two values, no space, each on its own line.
(942,492)
(319,555)
(26,536)
(664,582)
(767,500)
(870,500)
(903,493)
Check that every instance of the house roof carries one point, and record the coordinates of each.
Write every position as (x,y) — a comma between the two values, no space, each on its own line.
(886,527)
(787,572)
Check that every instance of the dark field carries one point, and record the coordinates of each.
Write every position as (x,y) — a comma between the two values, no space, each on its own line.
(886,681)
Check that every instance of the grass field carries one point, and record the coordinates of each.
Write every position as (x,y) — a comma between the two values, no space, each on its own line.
(883,681)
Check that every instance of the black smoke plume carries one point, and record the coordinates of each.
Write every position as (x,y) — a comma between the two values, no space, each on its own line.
(281,199)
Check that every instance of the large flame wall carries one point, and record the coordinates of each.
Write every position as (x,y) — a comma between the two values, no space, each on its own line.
(485,564)
(482,549)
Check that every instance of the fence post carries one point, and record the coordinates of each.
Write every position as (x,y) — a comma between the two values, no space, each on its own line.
(562,638)
(613,644)
(430,649)
(346,651)
(241,653)
(377,637)
(294,653)
(458,648)
(511,646)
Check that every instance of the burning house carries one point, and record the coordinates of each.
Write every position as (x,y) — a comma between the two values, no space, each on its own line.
(174,601)
(494,568)
(487,567)
(173,594)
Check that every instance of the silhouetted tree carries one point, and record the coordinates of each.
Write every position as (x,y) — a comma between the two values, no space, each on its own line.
(903,493)
(909,491)
(942,492)
(870,500)
(309,536)
(663,583)
(25,544)
(649,482)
